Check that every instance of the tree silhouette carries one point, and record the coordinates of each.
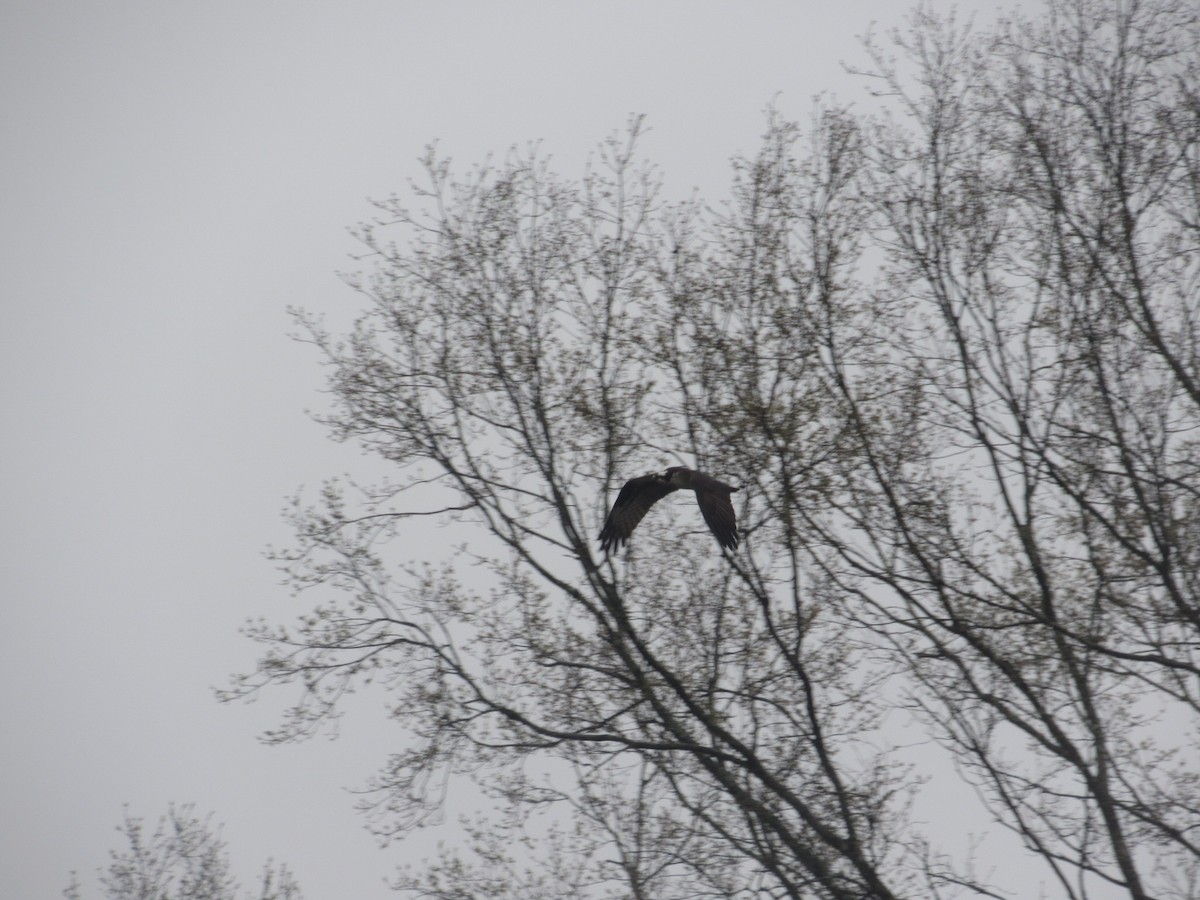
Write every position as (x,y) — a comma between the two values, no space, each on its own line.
(184,859)
(950,353)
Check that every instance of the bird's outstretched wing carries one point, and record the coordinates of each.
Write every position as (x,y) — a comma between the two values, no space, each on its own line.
(634,501)
(717,509)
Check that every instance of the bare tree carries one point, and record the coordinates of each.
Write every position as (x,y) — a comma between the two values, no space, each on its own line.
(949,354)
(184,859)
(1040,211)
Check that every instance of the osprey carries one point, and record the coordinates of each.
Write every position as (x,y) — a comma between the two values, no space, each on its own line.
(639,494)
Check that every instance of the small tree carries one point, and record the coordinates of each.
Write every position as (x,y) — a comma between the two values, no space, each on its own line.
(950,357)
(185,859)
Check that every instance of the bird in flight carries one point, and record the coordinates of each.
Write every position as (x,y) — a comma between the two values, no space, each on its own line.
(641,493)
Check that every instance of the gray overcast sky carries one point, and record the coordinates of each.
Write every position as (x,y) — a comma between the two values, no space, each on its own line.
(171,177)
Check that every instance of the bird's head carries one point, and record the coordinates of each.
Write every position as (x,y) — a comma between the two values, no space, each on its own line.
(679,476)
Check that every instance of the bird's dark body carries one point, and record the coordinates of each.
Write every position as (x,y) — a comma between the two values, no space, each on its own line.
(639,494)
